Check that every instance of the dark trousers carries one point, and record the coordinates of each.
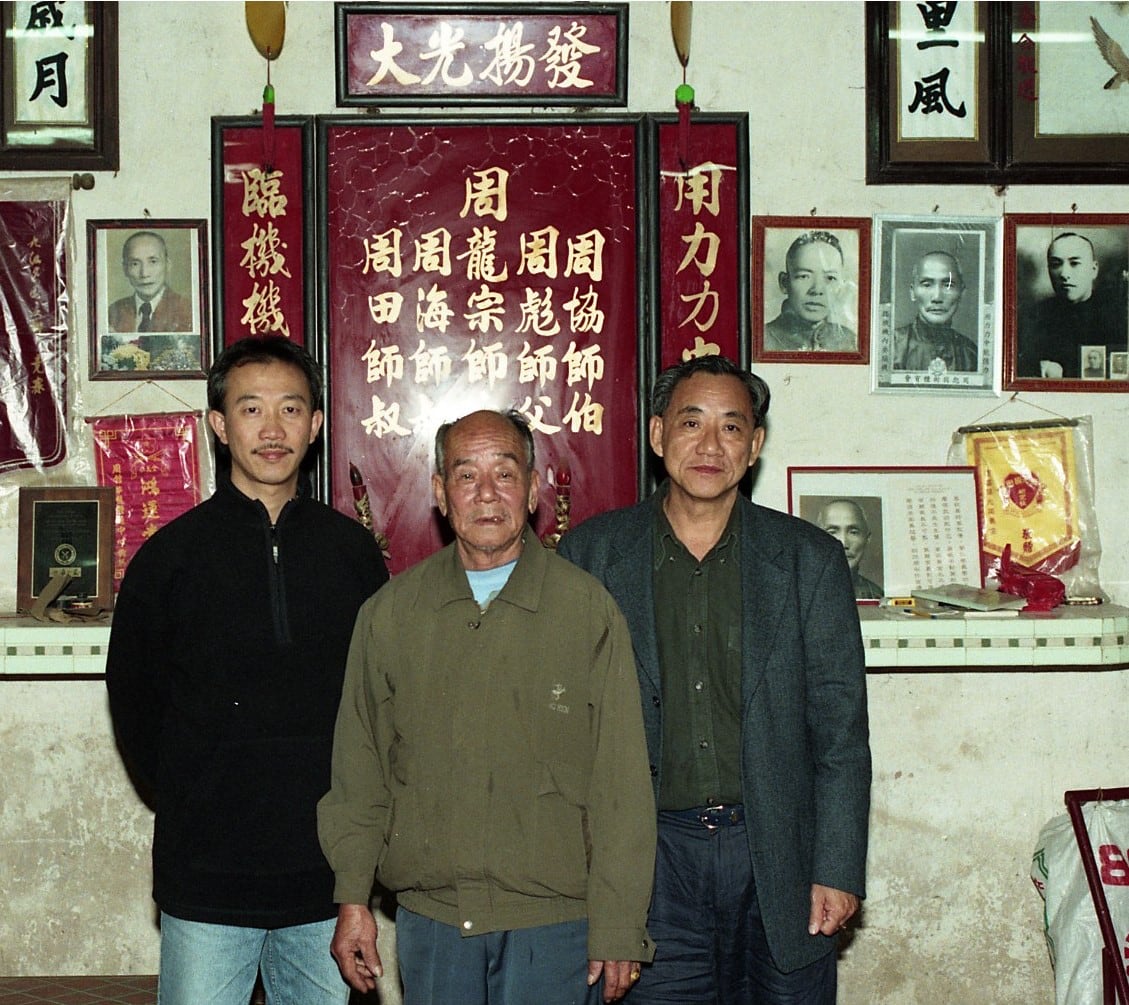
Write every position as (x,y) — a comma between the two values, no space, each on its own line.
(707,924)
(546,965)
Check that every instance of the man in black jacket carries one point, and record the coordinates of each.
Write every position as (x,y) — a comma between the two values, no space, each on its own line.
(226,660)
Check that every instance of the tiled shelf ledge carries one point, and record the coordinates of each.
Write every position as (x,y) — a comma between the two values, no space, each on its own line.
(1072,637)
(1069,637)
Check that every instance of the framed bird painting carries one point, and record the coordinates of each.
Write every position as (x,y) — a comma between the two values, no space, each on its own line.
(1069,91)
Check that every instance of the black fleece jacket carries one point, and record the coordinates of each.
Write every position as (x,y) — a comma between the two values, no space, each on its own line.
(226,658)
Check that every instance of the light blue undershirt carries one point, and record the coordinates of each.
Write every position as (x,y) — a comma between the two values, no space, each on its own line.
(488,583)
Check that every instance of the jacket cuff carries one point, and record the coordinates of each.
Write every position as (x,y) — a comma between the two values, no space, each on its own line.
(352,888)
(620,944)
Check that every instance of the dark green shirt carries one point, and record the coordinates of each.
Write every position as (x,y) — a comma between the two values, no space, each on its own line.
(698,619)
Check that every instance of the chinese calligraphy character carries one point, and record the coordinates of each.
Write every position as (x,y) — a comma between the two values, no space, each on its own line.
(432,365)
(382,253)
(587,415)
(51,72)
(539,253)
(445,45)
(385,60)
(534,412)
(481,252)
(586,255)
(700,301)
(584,312)
(583,364)
(433,252)
(486,194)
(486,309)
(264,311)
(512,63)
(694,242)
(536,364)
(930,95)
(384,363)
(432,310)
(563,55)
(384,308)
(262,193)
(264,252)
(488,362)
(701,188)
(385,420)
(537,314)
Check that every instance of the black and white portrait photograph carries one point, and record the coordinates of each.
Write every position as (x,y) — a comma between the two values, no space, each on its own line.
(856,523)
(148,298)
(811,289)
(936,293)
(1065,301)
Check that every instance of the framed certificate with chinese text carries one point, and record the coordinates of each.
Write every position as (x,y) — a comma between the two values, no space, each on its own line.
(902,528)
(69,533)
(58,86)
(544,54)
(481,263)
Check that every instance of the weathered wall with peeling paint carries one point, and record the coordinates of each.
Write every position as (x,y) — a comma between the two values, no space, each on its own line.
(968,767)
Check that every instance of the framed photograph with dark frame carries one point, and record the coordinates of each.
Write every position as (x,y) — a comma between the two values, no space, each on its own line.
(148,299)
(66,531)
(58,86)
(1068,121)
(811,289)
(931,75)
(1066,287)
(482,262)
(935,307)
(903,528)
(544,54)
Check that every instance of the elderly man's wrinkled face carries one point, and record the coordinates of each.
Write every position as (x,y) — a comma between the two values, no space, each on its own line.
(145,262)
(487,491)
(937,290)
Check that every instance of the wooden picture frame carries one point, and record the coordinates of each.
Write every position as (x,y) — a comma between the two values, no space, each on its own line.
(543,54)
(825,262)
(168,266)
(1066,287)
(1066,123)
(931,75)
(68,530)
(58,86)
(1037,83)
(951,346)
(903,528)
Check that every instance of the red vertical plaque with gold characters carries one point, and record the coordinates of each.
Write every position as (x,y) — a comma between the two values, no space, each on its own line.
(263,252)
(481,263)
(700,292)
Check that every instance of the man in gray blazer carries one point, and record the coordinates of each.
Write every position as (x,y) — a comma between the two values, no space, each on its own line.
(750,664)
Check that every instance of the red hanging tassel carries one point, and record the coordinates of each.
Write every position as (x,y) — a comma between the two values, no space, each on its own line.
(684,102)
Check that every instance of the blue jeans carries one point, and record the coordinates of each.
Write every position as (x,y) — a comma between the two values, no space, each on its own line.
(546,965)
(205,964)
(706,923)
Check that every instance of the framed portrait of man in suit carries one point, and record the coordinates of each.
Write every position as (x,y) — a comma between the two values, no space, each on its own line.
(148,299)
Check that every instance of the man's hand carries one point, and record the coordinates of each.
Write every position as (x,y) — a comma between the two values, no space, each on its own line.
(830,909)
(619,976)
(354,947)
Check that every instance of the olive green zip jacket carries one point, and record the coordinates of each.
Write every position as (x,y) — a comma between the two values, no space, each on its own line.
(490,767)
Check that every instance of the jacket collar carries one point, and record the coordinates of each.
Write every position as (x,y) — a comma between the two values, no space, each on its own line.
(446,581)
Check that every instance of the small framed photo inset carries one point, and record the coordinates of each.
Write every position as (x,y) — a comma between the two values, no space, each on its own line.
(936,305)
(1066,325)
(811,289)
(902,528)
(148,303)
(67,532)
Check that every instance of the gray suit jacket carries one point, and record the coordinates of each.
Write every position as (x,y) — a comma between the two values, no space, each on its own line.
(805,754)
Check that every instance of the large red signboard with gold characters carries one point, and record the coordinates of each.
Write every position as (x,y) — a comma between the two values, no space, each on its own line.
(264,229)
(481,263)
(701,194)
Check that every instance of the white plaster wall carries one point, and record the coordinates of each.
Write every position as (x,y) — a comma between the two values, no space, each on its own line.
(967,766)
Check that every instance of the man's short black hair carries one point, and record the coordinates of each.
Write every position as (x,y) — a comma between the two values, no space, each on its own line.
(719,366)
(262,349)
